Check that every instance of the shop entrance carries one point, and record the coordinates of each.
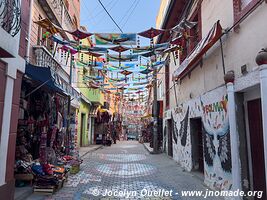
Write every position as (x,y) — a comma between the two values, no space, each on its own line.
(256,145)
(170,131)
(82,129)
(197,144)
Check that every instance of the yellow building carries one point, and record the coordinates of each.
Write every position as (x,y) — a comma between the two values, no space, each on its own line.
(91,98)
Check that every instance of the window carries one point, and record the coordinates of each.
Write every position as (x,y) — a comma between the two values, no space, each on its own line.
(242,7)
(191,36)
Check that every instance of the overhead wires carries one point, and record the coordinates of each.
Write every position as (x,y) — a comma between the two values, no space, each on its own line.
(110,16)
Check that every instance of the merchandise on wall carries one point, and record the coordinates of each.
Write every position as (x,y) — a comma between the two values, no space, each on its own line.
(42,138)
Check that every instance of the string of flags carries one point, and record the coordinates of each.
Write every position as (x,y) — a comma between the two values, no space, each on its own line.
(124,69)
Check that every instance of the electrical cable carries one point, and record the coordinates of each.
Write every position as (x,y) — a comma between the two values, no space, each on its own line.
(127,12)
(131,13)
(110,16)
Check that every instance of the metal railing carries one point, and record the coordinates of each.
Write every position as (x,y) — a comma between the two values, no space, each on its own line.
(43,58)
(10,16)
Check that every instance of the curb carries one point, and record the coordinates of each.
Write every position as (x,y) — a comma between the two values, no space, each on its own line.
(92,150)
(149,151)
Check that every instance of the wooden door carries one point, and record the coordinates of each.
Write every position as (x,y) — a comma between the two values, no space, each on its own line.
(256,142)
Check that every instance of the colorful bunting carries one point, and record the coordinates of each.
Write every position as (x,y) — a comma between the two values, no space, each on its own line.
(151,33)
(115,38)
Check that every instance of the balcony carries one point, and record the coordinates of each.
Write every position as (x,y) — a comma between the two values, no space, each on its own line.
(10,21)
(43,58)
(57,12)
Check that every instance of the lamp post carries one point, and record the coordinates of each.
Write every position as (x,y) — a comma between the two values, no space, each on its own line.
(155,108)
(69,110)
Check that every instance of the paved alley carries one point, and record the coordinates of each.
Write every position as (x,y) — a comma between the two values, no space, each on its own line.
(127,166)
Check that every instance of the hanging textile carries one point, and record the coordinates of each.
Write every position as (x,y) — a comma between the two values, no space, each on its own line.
(122,58)
(119,49)
(93,54)
(115,38)
(141,83)
(156,47)
(151,33)
(59,40)
(126,73)
(146,71)
(80,34)
(49,26)
(69,49)
(97,49)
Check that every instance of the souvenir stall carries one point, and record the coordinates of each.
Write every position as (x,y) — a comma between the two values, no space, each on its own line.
(41,158)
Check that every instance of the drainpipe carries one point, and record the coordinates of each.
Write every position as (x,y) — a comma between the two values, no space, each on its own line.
(29,34)
(261,60)
(231,108)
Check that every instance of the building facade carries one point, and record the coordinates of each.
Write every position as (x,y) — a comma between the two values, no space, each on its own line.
(215,123)
(12,67)
(94,97)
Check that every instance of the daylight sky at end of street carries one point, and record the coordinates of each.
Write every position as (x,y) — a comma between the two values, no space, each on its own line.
(133,16)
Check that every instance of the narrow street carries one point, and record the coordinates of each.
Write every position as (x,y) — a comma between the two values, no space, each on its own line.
(127,166)
(185,81)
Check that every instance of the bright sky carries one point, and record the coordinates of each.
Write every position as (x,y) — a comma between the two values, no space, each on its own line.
(131,15)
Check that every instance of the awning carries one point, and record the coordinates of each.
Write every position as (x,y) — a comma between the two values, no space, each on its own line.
(42,75)
(202,47)
(51,79)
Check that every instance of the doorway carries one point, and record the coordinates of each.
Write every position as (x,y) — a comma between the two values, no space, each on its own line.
(197,144)
(82,129)
(256,145)
(170,132)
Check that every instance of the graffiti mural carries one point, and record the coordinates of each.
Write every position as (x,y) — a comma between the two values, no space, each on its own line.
(183,128)
(212,109)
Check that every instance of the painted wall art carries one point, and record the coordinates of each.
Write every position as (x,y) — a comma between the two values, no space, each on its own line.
(211,108)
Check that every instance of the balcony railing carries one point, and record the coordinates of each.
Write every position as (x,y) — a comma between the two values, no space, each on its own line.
(10,16)
(43,58)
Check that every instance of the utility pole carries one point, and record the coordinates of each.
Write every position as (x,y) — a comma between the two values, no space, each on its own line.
(155,108)
(69,112)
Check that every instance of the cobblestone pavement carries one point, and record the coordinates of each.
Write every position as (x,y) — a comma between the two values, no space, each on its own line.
(128,167)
